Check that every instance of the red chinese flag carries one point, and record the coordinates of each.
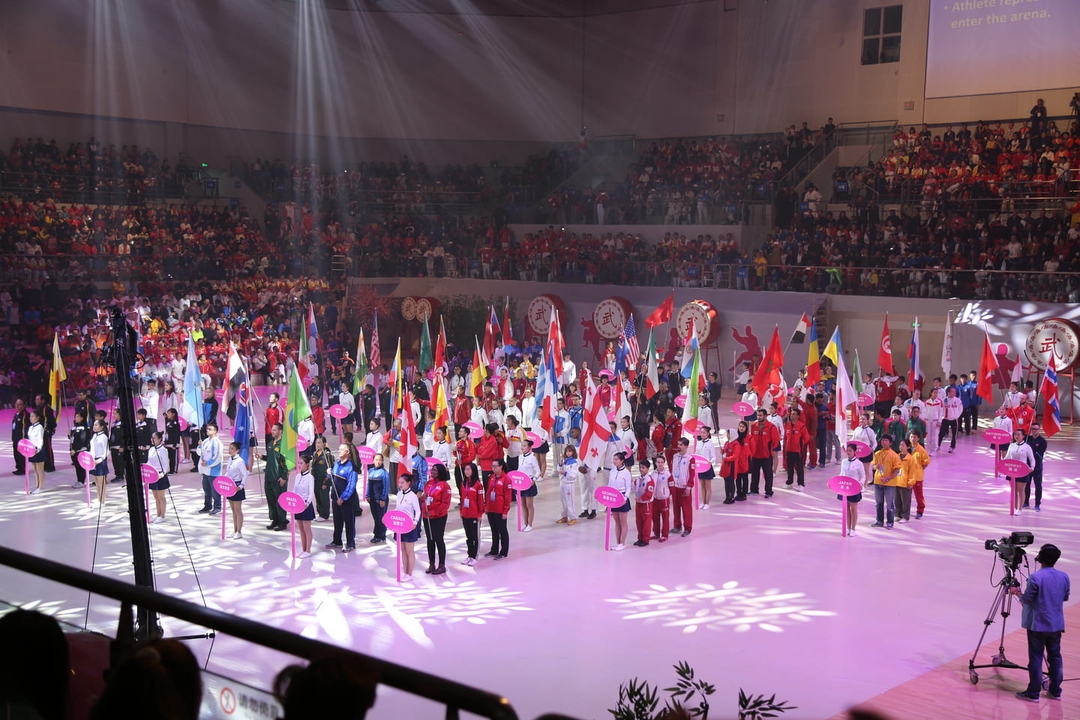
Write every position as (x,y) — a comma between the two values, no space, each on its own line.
(988,365)
(663,313)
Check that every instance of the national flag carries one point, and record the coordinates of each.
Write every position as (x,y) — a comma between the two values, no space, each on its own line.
(846,397)
(491,333)
(916,373)
(479,373)
(689,349)
(1049,390)
(302,359)
(799,336)
(663,313)
(241,431)
(884,360)
(440,406)
(376,357)
(1018,370)
(652,372)
(397,374)
(632,347)
(693,390)
(622,354)
(425,346)
(545,391)
(235,376)
(594,428)
(556,344)
(57,375)
(769,372)
(813,360)
(856,375)
(296,409)
(313,330)
(834,349)
(507,330)
(440,350)
(988,365)
(946,349)
(192,408)
(361,364)
(409,443)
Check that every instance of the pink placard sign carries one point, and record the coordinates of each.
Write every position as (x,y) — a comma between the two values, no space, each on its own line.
(997,436)
(519,480)
(609,497)
(338,411)
(149,474)
(864,400)
(611,416)
(843,485)
(26,448)
(742,409)
(1011,467)
(224,486)
(680,401)
(700,463)
(366,454)
(291,503)
(85,460)
(433,461)
(691,425)
(475,430)
(536,439)
(861,448)
(183,424)
(301,443)
(398,521)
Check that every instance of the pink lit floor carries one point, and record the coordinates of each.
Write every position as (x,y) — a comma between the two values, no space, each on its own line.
(765,595)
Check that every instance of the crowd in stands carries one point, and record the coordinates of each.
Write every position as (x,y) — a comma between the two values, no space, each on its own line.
(991,161)
(89,172)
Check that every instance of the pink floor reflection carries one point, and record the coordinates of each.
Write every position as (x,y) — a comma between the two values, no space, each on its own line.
(764,595)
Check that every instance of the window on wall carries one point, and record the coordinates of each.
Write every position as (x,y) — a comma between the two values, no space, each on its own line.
(881,34)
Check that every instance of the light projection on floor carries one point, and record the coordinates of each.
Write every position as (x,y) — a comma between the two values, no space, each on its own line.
(702,606)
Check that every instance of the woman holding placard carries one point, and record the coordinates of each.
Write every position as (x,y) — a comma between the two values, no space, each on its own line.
(853,467)
(305,488)
(99,449)
(408,503)
(36,434)
(157,457)
(1018,450)
(238,473)
(378,492)
(498,508)
(472,509)
(707,450)
(528,464)
(172,439)
(434,508)
(620,480)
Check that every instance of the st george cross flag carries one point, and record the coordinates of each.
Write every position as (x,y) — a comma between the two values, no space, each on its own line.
(594,428)
(799,336)
(1049,391)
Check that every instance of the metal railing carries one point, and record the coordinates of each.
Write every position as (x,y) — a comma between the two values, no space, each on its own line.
(455,696)
(726,273)
(117,190)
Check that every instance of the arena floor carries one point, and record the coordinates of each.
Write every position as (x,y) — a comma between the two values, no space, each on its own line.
(764,595)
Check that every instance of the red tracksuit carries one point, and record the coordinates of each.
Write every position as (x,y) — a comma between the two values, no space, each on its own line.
(683,497)
(643,506)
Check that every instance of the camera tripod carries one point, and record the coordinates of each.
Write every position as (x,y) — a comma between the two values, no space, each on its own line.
(1002,605)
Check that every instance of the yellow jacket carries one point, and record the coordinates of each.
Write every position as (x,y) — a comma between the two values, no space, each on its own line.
(891,463)
(911,471)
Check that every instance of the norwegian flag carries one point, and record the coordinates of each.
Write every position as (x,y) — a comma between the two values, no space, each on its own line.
(1051,408)
(374,357)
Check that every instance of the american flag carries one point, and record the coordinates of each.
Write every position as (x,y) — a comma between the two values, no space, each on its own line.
(632,345)
(374,358)
(1049,391)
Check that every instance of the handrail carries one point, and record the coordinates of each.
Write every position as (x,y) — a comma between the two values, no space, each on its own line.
(410,680)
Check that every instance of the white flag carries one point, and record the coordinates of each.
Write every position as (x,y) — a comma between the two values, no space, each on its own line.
(946,349)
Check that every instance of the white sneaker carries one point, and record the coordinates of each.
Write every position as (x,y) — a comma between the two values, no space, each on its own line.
(35,491)
(1018,510)
(466,561)
(619,548)
(851,533)
(304,555)
(705,506)
(470,561)
(406,578)
(798,488)
(157,519)
(76,486)
(527,528)
(237,536)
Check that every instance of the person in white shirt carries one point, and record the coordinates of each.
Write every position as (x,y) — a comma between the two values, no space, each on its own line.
(626,436)
(852,467)
(515,436)
(150,399)
(374,439)
(935,412)
(210,459)
(1002,421)
(1013,397)
(915,401)
(238,473)
(408,503)
(513,411)
(865,434)
(954,408)
(529,417)
(36,434)
(706,448)
(1019,450)
(99,449)
(441,449)
(528,464)
(569,373)
(306,429)
(478,415)
(621,481)
(346,400)
(157,457)
(682,472)
(750,397)
(305,488)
